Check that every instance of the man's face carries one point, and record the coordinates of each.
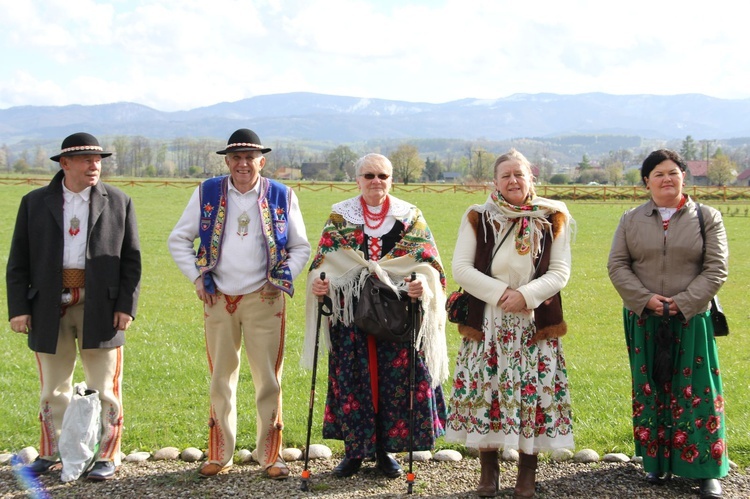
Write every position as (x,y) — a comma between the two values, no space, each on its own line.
(81,171)
(245,167)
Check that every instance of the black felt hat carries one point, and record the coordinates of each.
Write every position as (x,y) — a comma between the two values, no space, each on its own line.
(244,140)
(80,143)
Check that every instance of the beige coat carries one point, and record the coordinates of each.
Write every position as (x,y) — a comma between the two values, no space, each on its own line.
(643,263)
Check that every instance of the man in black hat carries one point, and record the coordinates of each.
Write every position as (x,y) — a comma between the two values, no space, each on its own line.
(73,279)
(252,244)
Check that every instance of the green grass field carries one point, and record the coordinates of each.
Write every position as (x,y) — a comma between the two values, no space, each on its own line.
(166,376)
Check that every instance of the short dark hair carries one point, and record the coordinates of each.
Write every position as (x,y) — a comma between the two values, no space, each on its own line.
(657,157)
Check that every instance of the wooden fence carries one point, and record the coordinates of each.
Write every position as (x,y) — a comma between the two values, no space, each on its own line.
(566,192)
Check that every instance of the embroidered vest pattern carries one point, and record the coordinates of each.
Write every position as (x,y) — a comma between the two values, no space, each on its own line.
(273,206)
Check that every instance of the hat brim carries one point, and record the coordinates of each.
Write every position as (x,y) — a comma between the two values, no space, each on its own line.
(239,149)
(103,154)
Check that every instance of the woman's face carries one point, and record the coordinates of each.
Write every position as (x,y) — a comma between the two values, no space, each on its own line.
(513,182)
(665,183)
(374,190)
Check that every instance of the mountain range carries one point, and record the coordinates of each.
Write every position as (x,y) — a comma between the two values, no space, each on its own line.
(341,119)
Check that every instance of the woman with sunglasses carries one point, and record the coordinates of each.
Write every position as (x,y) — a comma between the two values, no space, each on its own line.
(368,379)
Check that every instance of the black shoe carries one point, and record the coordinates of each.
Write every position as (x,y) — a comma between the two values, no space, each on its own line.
(103,470)
(710,488)
(39,467)
(387,465)
(347,467)
(657,478)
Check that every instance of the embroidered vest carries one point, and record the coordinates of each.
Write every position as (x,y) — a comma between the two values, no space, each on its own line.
(273,206)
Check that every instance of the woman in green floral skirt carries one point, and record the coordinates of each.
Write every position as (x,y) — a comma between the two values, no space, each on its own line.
(666,279)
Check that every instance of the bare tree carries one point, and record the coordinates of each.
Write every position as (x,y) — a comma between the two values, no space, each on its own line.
(141,154)
(121,146)
(5,157)
(407,165)
(480,165)
(40,158)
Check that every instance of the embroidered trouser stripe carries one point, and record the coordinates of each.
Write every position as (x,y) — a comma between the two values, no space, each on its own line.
(102,368)
(258,319)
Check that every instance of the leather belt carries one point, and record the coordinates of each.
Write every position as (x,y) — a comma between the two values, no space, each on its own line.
(73,278)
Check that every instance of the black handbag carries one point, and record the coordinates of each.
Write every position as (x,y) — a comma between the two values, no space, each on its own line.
(718,319)
(383,313)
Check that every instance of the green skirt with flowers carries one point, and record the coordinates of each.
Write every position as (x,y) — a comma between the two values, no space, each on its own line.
(679,426)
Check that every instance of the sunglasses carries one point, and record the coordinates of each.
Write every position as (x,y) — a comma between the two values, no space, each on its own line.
(371,176)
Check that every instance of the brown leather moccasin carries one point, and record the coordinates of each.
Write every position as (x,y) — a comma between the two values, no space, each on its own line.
(212,469)
(278,471)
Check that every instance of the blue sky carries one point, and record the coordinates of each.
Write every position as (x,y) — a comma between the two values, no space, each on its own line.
(182,54)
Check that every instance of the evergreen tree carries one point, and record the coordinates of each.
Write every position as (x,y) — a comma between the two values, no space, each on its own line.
(689,150)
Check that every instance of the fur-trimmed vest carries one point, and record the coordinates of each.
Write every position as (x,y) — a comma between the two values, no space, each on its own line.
(548,317)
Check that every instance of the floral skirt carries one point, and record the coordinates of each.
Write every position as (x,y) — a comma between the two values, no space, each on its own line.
(350,413)
(509,392)
(678,427)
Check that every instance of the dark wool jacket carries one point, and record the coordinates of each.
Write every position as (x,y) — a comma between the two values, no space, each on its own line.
(35,264)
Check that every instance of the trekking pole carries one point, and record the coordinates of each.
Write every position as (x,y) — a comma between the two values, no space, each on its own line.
(414,312)
(322,302)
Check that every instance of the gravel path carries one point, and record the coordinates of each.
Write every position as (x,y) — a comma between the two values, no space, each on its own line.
(177,479)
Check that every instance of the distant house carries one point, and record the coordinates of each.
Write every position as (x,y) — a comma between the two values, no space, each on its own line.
(451,177)
(744,178)
(698,172)
(285,173)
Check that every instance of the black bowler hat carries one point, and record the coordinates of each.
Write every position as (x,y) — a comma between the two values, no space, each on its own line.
(244,140)
(80,143)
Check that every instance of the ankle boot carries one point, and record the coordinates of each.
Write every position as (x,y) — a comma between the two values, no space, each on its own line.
(526,480)
(489,481)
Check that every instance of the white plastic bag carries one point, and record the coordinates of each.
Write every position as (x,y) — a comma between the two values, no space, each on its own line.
(81,430)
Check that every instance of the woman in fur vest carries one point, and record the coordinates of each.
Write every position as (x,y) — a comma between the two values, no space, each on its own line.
(510,387)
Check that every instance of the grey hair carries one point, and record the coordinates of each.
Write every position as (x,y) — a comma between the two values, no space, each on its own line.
(514,155)
(373,158)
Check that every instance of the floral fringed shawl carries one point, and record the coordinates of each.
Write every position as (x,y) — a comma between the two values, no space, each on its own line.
(346,268)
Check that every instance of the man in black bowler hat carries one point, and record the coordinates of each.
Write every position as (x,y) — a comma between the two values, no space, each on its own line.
(73,279)
(252,244)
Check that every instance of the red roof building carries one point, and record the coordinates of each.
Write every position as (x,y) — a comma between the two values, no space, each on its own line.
(698,172)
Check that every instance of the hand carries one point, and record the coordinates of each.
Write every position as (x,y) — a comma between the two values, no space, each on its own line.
(122,321)
(513,302)
(204,295)
(656,305)
(415,288)
(320,288)
(21,324)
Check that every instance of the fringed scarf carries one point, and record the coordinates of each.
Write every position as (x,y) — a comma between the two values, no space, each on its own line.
(346,268)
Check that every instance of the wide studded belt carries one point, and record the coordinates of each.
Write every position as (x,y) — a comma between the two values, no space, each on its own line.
(73,278)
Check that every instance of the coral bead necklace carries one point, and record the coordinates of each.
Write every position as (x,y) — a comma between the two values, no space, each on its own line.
(375,220)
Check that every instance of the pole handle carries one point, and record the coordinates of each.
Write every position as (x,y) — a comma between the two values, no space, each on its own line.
(322,278)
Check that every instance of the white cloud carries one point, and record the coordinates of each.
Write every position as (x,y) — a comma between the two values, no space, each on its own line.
(179,54)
